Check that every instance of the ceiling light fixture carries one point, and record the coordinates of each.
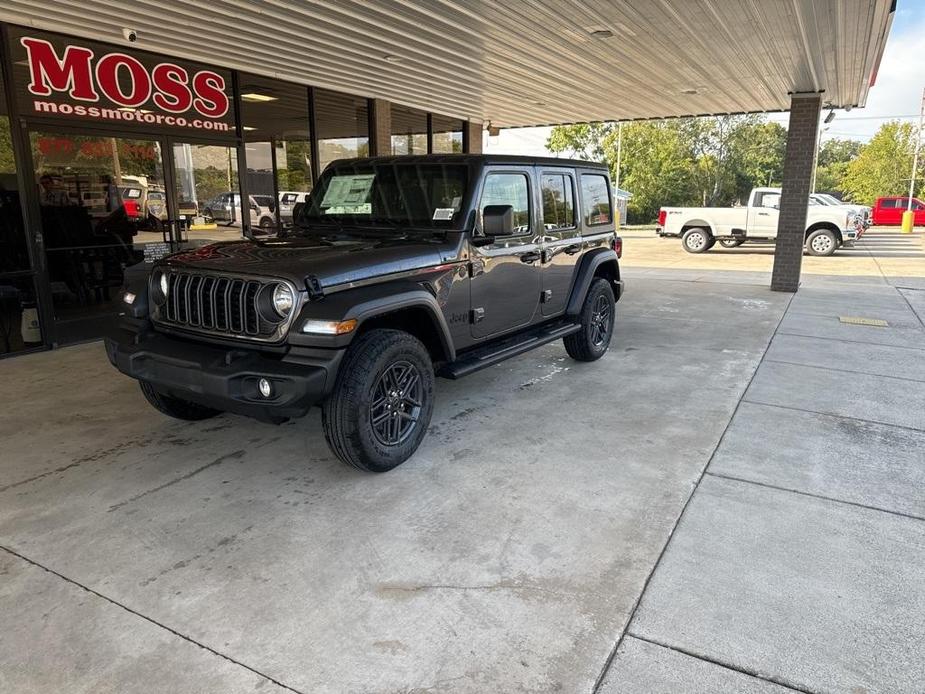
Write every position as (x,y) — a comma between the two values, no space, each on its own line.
(254,97)
(390,58)
(602,34)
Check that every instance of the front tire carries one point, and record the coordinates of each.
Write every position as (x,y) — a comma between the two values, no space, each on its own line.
(382,402)
(697,240)
(822,242)
(597,323)
(176,407)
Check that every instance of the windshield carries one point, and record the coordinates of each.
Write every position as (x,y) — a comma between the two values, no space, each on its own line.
(406,194)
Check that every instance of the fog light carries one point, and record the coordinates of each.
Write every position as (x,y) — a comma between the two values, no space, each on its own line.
(266,388)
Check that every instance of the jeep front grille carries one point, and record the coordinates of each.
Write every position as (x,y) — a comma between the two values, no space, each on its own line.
(219,305)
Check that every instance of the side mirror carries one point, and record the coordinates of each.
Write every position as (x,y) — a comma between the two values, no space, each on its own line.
(498,220)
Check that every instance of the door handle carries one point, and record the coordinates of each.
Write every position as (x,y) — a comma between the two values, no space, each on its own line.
(530,257)
(573,249)
(764,214)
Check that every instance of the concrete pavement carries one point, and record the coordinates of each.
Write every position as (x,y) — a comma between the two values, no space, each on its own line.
(507,555)
(513,552)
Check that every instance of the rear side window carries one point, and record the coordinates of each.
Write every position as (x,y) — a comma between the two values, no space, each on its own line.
(509,189)
(889,204)
(558,202)
(595,199)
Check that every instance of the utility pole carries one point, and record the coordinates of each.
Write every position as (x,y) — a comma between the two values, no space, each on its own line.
(918,146)
(619,153)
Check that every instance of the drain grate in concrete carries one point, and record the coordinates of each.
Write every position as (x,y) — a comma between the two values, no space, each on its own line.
(856,320)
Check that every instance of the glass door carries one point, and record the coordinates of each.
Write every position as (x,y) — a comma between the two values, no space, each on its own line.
(208,194)
(102,208)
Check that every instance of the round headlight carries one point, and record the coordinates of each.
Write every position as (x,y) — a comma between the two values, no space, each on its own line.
(159,287)
(282,299)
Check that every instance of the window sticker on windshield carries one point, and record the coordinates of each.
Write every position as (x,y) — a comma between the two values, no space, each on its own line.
(348,194)
(443,214)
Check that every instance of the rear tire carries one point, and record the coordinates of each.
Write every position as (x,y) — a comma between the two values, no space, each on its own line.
(176,407)
(597,323)
(822,242)
(697,240)
(382,402)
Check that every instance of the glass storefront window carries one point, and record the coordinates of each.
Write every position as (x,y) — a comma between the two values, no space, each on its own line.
(276,132)
(20,327)
(93,203)
(207,192)
(409,130)
(342,122)
(448,134)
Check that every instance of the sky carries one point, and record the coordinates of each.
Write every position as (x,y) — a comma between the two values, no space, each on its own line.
(896,95)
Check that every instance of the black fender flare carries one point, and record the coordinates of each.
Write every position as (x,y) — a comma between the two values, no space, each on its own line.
(363,304)
(590,263)
(415,298)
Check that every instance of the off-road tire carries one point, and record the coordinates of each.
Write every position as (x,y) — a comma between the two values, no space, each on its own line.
(697,240)
(176,407)
(731,243)
(347,414)
(589,343)
(822,242)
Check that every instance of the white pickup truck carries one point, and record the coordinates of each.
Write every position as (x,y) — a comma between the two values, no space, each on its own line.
(827,228)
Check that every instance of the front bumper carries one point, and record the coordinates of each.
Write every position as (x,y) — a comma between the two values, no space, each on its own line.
(226,378)
(849,236)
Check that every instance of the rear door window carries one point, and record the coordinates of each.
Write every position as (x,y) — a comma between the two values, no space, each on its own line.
(595,199)
(558,202)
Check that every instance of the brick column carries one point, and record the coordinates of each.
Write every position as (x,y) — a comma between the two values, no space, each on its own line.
(472,137)
(380,128)
(802,134)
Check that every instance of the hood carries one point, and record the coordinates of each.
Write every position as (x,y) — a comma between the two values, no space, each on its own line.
(297,258)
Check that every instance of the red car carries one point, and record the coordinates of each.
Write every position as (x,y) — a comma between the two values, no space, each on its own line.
(889,210)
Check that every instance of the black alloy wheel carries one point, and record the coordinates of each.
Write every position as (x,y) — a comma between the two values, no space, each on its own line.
(396,405)
(601,315)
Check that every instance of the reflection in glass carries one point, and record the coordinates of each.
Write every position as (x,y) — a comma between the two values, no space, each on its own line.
(20,327)
(558,202)
(207,192)
(14,256)
(276,116)
(509,189)
(93,194)
(595,194)
(409,130)
(448,134)
(342,122)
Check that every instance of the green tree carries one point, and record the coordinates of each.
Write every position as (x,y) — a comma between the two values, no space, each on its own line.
(835,155)
(658,166)
(688,161)
(582,140)
(883,166)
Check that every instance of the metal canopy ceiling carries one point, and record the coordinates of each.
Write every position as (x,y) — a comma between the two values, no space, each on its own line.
(521,62)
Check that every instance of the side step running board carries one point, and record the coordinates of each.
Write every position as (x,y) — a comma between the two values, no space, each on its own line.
(490,354)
